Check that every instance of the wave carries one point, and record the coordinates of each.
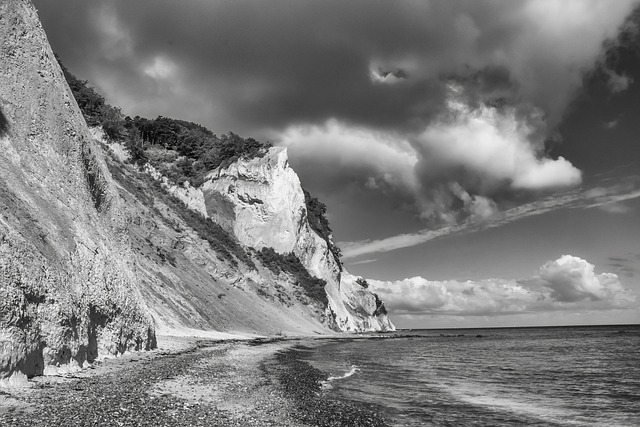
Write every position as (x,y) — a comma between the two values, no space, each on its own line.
(352,371)
(529,405)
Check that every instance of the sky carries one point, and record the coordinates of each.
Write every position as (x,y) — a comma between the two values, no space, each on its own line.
(479,159)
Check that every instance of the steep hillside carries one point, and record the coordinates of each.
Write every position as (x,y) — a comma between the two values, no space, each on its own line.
(195,275)
(67,284)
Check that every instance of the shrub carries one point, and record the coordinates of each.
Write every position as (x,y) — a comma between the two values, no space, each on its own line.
(362,282)
(380,308)
(316,215)
(91,103)
(200,147)
(199,150)
(145,189)
(290,264)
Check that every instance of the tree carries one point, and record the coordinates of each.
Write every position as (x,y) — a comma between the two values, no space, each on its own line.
(112,123)
(135,145)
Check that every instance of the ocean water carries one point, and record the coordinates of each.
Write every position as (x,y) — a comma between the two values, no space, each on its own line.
(579,376)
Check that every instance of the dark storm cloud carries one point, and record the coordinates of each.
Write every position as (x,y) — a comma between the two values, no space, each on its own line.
(267,63)
(277,62)
(396,97)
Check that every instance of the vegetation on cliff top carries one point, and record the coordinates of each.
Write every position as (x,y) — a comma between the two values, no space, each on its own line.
(317,217)
(145,189)
(290,264)
(187,150)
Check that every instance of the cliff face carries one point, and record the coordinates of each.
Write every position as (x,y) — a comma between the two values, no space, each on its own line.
(194,276)
(67,285)
(262,202)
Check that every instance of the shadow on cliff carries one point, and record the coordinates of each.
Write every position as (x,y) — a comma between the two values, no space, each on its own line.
(4,124)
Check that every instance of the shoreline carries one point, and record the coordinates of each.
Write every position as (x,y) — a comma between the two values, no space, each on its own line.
(239,381)
(303,383)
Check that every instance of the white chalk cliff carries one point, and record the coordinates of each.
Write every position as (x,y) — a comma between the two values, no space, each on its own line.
(262,202)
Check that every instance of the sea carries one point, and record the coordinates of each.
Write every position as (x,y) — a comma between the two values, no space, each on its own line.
(548,376)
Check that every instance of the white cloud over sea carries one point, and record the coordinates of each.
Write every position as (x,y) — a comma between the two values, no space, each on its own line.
(609,198)
(568,283)
(464,157)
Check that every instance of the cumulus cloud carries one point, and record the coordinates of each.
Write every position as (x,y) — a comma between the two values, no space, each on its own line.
(573,279)
(160,68)
(462,158)
(568,283)
(376,159)
(487,149)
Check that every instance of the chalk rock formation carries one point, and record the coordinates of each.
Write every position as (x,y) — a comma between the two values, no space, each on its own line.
(67,286)
(262,202)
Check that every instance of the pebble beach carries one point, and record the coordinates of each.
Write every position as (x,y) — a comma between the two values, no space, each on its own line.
(259,382)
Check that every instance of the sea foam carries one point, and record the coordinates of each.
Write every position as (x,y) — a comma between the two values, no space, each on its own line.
(352,371)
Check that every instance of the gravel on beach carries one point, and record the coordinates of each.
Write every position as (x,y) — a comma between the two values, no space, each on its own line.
(302,383)
(259,383)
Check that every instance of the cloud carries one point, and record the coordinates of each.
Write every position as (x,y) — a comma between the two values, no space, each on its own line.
(449,171)
(616,208)
(307,62)
(345,153)
(355,249)
(160,68)
(573,279)
(490,148)
(607,198)
(115,39)
(624,266)
(568,283)
(421,296)
(364,261)
(617,82)
(382,76)
(442,107)
(611,124)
